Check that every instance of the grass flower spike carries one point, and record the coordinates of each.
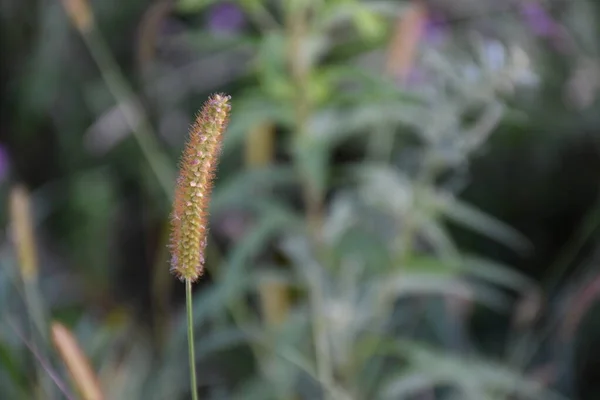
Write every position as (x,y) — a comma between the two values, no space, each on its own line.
(189,225)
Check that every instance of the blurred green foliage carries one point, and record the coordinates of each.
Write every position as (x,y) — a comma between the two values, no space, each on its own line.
(406,225)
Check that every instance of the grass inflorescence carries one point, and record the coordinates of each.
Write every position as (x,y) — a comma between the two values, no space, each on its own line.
(189,226)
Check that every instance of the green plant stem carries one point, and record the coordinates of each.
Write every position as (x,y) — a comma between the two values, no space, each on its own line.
(39,332)
(190,331)
(380,146)
(297,15)
(130,106)
(425,178)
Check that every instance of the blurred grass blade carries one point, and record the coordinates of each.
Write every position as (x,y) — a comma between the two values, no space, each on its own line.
(470,217)
(407,34)
(129,104)
(397,285)
(79,367)
(469,374)
(24,241)
(410,383)
(497,273)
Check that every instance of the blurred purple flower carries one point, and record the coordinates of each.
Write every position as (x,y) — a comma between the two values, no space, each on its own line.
(416,77)
(538,19)
(225,18)
(4,163)
(435,30)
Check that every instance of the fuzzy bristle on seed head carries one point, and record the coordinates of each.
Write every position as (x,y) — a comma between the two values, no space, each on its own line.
(189,219)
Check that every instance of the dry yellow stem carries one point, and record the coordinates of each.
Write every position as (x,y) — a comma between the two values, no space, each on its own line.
(80,13)
(403,46)
(79,368)
(22,231)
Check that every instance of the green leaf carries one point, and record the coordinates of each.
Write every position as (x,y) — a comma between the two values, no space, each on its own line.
(497,273)
(411,382)
(488,271)
(475,219)
(398,284)
(473,376)
(312,161)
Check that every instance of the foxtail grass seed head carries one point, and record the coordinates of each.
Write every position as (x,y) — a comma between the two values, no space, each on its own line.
(22,232)
(80,14)
(189,219)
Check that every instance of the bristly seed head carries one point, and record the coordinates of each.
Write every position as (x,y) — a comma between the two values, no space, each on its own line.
(189,219)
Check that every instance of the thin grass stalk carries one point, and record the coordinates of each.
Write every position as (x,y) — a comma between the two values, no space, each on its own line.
(190,334)
(24,240)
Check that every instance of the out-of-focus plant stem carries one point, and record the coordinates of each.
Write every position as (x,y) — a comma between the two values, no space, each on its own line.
(77,363)
(401,55)
(260,144)
(82,18)
(132,110)
(400,60)
(424,180)
(259,153)
(403,46)
(24,241)
(405,241)
(297,14)
(148,32)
